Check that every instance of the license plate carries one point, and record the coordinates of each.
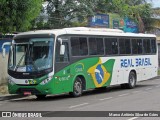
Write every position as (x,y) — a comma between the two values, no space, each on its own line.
(27,93)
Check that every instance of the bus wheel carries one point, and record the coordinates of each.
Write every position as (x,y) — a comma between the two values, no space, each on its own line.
(77,88)
(40,97)
(131,80)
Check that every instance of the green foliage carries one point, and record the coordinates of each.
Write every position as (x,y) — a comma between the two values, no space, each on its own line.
(63,12)
(156,20)
(138,10)
(66,13)
(16,15)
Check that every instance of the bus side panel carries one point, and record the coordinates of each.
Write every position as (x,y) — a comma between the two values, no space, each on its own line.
(105,71)
(97,71)
(145,67)
(96,74)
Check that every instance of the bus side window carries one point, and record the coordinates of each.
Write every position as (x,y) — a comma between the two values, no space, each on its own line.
(111,46)
(96,46)
(128,46)
(153,46)
(134,46)
(62,58)
(139,42)
(124,46)
(146,46)
(79,46)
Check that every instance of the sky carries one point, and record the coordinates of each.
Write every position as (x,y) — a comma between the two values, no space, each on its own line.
(155,3)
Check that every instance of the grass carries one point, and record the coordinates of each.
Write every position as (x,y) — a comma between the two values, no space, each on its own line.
(3,89)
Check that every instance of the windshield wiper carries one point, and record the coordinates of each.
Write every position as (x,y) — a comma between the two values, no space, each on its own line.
(16,67)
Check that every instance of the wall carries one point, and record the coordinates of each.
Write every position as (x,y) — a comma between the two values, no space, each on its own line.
(3,69)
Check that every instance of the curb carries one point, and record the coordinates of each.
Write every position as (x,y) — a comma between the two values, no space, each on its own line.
(157,77)
(10,96)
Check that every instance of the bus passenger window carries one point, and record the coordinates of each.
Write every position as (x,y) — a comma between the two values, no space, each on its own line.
(146,46)
(124,46)
(79,46)
(139,42)
(121,46)
(136,46)
(153,46)
(96,46)
(128,46)
(111,46)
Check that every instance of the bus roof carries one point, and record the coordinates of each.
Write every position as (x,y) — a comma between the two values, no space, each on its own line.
(87,31)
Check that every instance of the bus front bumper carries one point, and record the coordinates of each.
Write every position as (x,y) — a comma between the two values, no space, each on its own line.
(33,90)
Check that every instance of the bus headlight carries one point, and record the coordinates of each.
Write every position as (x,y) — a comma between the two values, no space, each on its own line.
(46,81)
(10,81)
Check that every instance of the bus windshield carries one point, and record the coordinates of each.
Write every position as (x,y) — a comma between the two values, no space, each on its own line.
(34,55)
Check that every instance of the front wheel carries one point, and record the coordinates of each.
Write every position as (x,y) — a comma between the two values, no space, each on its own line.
(131,80)
(77,88)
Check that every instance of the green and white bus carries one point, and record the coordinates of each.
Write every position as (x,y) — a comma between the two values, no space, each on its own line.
(72,60)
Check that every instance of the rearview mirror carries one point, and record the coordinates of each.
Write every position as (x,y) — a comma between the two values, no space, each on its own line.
(60,40)
(3,52)
(62,49)
(3,49)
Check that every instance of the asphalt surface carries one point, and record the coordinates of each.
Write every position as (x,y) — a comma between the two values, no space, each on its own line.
(145,97)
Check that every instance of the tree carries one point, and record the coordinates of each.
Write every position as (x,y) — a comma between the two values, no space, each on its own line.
(63,12)
(138,10)
(16,15)
(156,18)
(66,13)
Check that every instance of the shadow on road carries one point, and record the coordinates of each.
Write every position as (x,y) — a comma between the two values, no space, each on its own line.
(21,98)
(9,97)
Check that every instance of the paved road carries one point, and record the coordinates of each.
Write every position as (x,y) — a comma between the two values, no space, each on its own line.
(145,97)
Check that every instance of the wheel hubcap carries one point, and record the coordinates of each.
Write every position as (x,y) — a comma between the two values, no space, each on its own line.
(78,88)
(132,80)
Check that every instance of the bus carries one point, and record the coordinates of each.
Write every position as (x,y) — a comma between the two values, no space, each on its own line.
(73,60)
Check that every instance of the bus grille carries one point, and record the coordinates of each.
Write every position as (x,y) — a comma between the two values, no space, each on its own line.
(32,90)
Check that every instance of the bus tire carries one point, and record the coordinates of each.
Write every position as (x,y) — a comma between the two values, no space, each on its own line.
(41,97)
(77,88)
(131,80)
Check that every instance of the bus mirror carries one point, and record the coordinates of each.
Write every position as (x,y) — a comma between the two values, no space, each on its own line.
(3,52)
(3,49)
(60,40)
(62,49)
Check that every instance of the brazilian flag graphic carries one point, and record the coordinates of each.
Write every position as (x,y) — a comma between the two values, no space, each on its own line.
(101,73)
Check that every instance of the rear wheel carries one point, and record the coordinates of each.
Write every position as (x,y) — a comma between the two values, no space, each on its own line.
(77,88)
(131,80)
